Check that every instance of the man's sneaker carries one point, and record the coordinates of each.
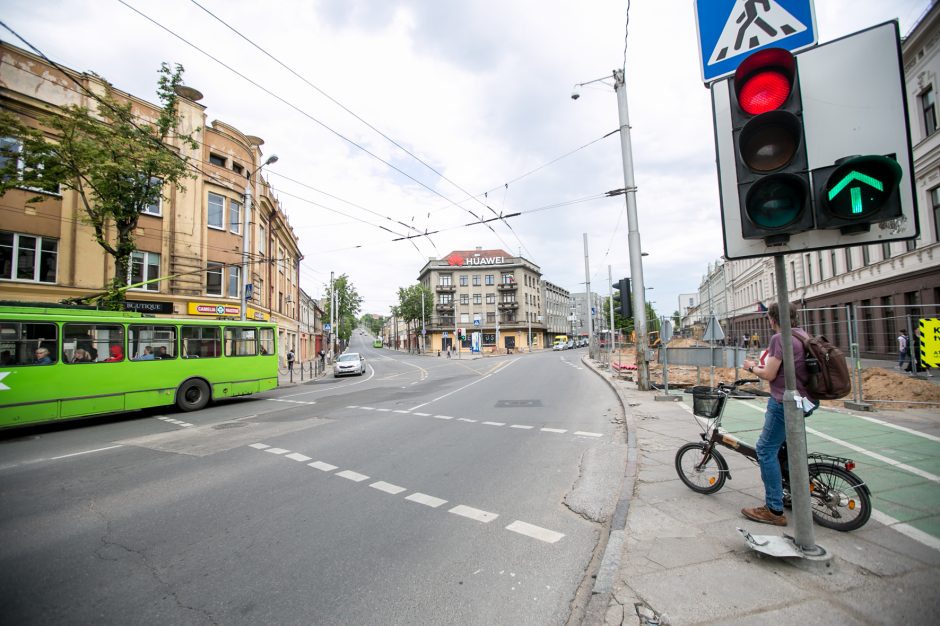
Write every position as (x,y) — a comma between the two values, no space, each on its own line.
(765,516)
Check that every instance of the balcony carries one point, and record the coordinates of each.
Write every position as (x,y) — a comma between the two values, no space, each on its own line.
(445,288)
(508,305)
(510,286)
(442,306)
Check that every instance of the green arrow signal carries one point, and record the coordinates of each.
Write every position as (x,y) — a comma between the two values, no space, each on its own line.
(855,192)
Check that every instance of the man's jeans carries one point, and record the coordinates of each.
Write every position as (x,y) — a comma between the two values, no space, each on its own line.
(771,438)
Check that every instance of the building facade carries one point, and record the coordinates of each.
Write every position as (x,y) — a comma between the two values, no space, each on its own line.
(557,303)
(496,297)
(192,240)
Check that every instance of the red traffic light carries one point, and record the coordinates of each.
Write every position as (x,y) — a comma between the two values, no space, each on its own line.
(764,80)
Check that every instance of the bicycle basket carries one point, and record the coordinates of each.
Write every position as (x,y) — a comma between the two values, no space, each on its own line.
(707,402)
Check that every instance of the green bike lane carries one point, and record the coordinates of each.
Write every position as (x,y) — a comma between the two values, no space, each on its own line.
(900,466)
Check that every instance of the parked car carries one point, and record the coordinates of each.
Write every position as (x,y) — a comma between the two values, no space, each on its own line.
(349,363)
(570,344)
(559,346)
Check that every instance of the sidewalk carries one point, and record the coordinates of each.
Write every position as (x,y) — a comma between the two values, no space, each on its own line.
(675,557)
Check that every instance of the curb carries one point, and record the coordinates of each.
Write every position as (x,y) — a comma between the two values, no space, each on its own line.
(602,591)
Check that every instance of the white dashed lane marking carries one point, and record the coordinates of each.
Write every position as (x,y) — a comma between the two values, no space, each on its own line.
(176,422)
(462,510)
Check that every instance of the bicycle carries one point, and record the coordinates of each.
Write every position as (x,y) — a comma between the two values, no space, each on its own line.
(840,499)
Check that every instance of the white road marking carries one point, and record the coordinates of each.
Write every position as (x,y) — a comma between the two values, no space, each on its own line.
(277,450)
(297,457)
(289,401)
(910,431)
(400,411)
(906,529)
(522,426)
(352,406)
(367,408)
(584,433)
(495,423)
(65,456)
(323,467)
(425,499)
(259,446)
(464,419)
(353,476)
(387,487)
(423,414)
(474,514)
(560,431)
(536,532)
(382,410)
(443,417)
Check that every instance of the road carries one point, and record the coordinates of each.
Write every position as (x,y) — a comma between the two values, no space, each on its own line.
(427,491)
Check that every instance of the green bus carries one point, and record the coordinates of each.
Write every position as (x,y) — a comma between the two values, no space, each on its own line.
(376,343)
(66,363)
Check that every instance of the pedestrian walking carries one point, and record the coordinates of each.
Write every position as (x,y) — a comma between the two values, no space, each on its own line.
(904,351)
(774,433)
(290,360)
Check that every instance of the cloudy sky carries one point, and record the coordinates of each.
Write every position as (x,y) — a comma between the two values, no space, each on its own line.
(434,113)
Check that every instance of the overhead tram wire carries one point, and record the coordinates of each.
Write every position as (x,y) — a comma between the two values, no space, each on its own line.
(343,107)
(295,107)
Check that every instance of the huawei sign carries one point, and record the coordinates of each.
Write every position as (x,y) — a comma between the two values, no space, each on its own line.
(456,259)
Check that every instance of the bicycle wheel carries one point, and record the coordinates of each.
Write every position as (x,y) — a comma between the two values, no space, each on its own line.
(839,498)
(701,471)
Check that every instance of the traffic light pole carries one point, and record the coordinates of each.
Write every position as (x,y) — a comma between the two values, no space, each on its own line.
(805,537)
(633,237)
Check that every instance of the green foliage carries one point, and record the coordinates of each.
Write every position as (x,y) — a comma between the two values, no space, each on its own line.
(409,307)
(115,163)
(373,323)
(348,303)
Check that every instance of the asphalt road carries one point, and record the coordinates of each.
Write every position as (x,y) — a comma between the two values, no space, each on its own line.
(427,491)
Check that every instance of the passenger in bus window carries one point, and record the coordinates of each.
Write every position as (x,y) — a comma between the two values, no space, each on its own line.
(81,356)
(117,354)
(42,357)
(147,354)
(161,353)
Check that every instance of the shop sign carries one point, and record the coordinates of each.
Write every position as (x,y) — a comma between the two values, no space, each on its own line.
(148,306)
(203,308)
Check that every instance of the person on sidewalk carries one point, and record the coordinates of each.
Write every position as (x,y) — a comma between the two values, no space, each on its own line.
(904,351)
(774,433)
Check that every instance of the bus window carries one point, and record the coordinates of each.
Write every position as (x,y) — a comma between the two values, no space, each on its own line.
(201,342)
(160,339)
(98,340)
(241,341)
(19,342)
(267,341)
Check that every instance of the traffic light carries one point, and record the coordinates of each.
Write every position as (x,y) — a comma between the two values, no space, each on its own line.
(623,302)
(462,334)
(769,147)
(857,192)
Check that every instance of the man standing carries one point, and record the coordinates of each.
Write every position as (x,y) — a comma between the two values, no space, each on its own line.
(904,351)
(774,433)
(290,360)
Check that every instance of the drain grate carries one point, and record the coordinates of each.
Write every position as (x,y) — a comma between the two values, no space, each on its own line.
(227,425)
(515,404)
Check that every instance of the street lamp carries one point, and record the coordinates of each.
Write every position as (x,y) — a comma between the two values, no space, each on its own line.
(633,233)
(247,210)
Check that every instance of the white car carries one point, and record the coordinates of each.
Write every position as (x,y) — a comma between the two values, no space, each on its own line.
(349,363)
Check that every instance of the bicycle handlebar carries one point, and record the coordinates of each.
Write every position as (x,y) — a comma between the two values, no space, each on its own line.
(738,383)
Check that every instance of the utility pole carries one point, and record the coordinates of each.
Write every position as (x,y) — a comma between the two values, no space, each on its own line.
(423,347)
(610,325)
(587,286)
(245,239)
(332,316)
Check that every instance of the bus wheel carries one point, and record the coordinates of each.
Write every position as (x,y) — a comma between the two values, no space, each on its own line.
(192,395)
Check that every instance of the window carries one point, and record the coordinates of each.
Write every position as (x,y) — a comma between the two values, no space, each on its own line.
(216,213)
(477,298)
(214,279)
(491,298)
(267,341)
(19,342)
(12,157)
(445,280)
(262,239)
(489,279)
(809,269)
(935,204)
(144,266)
(490,317)
(241,341)
(832,263)
(238,169)
(201,342)
(464,298)
(886,250)
(506,279)
(928,105)
(848,259)
(234,284)
(102,343)
(28,258)
(464,318)
(235,216)
(446,298)
(216,159)
(156,207)
(463,281)
(866,256)
(476,280)
(147,342)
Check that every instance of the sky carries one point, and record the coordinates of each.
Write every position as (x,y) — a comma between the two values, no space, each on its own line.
(428,116)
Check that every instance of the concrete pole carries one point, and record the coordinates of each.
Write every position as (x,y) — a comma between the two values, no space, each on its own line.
(633,237)
(610,326)
(245,239)
(587,287)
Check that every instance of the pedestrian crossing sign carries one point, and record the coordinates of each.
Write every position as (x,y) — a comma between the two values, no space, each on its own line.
(730,30)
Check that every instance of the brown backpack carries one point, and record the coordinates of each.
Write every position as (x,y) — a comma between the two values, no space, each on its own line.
(829,376)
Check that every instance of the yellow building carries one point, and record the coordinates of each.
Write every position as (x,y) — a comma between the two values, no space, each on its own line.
(193,237)
(495,297)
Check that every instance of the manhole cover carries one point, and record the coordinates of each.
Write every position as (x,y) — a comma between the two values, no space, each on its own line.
(227,425)
(505,404)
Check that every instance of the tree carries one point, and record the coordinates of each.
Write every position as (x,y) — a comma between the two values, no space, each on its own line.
(410,304)
(348,303)
(116,163)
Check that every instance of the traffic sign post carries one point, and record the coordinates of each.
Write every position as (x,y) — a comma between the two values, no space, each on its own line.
(853,128)
(730,30)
